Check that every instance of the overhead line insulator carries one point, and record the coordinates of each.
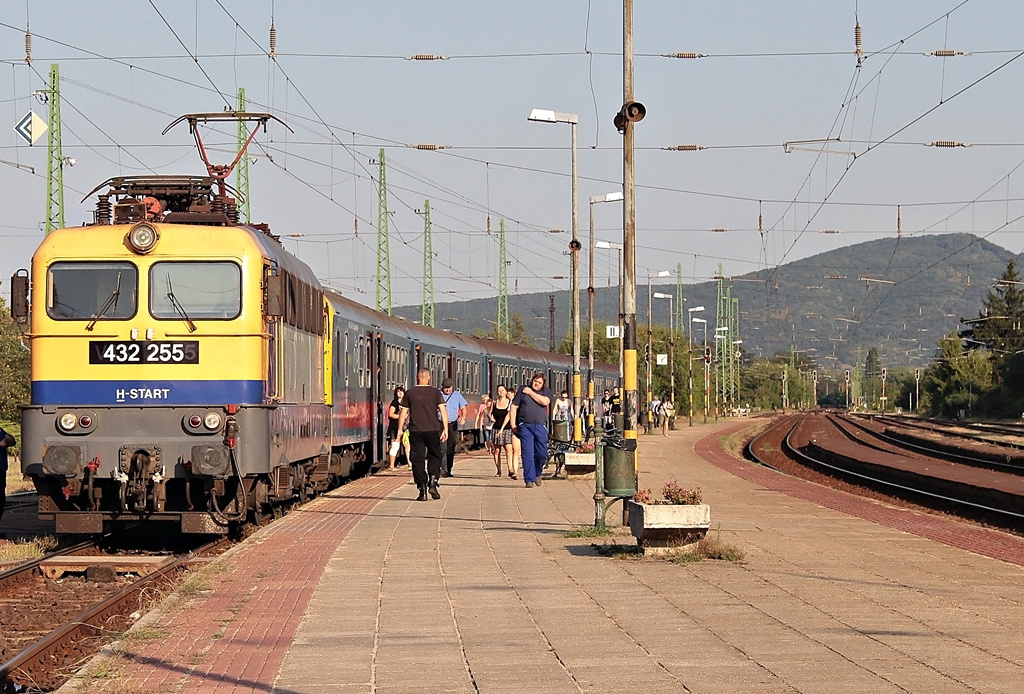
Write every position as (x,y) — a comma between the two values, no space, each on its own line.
(858,44)
(428,147)
(685,148)
(273,42)
(28,47)
(946,53)
(426,56)
(684,56)
(947,143)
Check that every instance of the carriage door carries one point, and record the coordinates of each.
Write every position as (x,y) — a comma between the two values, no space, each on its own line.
(375,343)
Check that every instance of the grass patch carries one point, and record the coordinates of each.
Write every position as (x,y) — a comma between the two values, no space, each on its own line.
(146,633)
(589,531)
(714,548)
(24,549)
(16,482)
(709,547)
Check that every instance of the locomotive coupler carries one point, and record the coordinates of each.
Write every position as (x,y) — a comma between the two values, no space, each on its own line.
(118,475)
(95,493)
(159,490)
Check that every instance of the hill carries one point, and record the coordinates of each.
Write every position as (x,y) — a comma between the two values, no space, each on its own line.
(897,294)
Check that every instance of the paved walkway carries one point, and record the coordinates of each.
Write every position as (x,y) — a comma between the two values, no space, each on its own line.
(366,590)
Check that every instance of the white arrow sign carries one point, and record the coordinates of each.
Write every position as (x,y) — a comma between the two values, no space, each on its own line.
(31,127)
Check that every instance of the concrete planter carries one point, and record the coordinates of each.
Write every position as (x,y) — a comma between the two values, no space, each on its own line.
(580,465)
(661,528)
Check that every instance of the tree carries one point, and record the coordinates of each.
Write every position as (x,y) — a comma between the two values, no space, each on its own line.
(999,324)
(15,367)
(517,334)
(956,379)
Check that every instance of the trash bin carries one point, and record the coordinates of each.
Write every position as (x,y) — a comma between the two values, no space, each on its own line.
(619,460)
(561,431)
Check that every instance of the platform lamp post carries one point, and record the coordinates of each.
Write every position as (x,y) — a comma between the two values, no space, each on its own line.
(607,245)
(671,343)
(689,356)
(650,357)
(540,115)
(607,197)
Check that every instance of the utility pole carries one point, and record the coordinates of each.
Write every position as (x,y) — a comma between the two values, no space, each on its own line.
(551,325)
(630,113)
(383,252)
(502,322)
(55,156)
(427,311)
(242,172)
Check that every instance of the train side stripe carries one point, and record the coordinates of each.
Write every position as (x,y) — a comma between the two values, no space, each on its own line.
(148,392)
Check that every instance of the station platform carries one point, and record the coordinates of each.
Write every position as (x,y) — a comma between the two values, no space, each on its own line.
(367,590)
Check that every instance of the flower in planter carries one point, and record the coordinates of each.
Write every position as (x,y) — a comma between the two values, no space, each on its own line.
(585,447)
(644,496)
(673,494)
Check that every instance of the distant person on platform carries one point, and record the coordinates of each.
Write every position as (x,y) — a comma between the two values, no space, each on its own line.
(456,406)
(6,441)
(530,410)
(616,407)
(423,405)
(562,409)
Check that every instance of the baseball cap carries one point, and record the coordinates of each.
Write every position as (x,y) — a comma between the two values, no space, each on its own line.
(447,383)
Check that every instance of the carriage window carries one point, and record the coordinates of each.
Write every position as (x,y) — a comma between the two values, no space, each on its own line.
(83,291)
(207,290)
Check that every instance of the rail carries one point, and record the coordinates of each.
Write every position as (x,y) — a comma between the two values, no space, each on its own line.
(42,665)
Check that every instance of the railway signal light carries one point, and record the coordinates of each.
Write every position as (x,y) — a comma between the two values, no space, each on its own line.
(707,355)
(847,375)
(917,374)
(883,373)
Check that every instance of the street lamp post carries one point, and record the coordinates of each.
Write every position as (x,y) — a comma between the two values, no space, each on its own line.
(671,343)
(545,116)
(689,356)
(607,197)
(607,245)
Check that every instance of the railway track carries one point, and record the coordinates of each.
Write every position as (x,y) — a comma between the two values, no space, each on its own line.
(840,452)
(22,500)
(43,654)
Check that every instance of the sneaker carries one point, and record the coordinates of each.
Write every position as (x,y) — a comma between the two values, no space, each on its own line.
(530,485)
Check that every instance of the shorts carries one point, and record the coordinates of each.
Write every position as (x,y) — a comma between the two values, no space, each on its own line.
(488,435)
(395,445)
(503,438)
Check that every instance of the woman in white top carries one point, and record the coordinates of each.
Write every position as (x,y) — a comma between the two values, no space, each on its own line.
(561,410)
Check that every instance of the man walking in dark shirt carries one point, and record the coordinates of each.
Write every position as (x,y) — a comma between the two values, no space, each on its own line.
(530,405)
(424,407)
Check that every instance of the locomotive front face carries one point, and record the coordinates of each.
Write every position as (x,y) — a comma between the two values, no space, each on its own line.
(149,356)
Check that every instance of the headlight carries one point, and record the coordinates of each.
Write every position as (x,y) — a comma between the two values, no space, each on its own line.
(68,421)
(212,421)
(142,238)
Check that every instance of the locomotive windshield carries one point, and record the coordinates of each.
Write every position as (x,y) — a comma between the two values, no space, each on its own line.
(84,290)
(195,291)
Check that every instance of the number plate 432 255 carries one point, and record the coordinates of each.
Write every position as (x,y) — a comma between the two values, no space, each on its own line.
(150,352)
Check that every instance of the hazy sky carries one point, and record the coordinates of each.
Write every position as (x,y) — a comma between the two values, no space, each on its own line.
(774,73)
